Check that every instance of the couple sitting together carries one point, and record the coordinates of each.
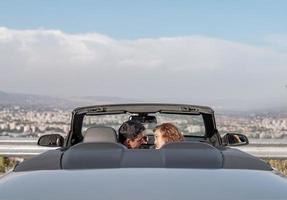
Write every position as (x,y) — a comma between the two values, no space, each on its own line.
(131,134)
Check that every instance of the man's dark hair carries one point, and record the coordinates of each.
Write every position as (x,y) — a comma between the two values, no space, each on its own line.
(130,130)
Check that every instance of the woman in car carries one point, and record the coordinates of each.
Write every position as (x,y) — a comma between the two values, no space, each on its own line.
(131,134)
(166,133)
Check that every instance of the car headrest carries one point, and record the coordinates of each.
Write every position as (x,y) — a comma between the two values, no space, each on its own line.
(100,134)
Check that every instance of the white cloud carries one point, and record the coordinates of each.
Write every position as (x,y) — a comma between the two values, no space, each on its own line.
(54,62)
(277,40)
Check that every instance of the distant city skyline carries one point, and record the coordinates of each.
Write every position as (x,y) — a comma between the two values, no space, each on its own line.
(17,121)
(202,52)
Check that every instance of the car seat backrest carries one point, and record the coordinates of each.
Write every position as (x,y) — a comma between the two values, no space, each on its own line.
(100,134)
(93,155)
(191,155)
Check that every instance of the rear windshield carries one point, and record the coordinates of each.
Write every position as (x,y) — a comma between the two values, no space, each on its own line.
(189,125)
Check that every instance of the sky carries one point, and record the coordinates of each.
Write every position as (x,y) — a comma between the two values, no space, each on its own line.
(226,53)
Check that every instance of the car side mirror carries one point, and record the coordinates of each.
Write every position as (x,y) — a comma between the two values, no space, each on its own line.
(235,139)
(51,140)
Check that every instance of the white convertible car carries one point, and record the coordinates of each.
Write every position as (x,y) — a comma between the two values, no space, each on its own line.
(90,163)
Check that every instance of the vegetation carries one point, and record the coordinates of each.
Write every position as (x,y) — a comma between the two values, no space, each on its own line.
(280,165)
(4,163)
(7,164)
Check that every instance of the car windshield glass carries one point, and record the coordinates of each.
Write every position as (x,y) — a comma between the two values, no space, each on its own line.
(192,125)
(189,125)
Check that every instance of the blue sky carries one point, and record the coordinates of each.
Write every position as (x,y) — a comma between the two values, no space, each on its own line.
(245,20)
(180,51)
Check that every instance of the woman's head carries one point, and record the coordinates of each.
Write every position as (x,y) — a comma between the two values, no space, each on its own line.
(166,133)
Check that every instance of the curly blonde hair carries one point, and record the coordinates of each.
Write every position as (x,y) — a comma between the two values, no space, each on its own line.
(169,132)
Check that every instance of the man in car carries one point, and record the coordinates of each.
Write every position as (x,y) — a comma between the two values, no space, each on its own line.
(131,134)
(166,133)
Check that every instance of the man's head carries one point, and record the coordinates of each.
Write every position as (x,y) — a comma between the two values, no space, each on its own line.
(166,133)
(131,134)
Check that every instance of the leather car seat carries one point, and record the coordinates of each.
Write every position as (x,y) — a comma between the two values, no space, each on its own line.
(100,134)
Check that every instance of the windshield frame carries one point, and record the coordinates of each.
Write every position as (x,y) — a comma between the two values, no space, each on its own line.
(75,135)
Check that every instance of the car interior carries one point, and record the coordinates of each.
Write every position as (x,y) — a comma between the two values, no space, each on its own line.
(104,133)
